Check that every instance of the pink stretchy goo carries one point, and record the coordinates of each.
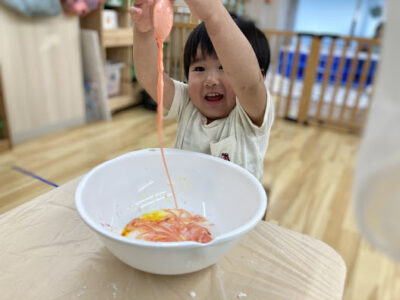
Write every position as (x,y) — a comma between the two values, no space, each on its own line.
(163,18)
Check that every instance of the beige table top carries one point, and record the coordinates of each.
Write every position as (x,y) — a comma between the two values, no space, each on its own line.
(47,252)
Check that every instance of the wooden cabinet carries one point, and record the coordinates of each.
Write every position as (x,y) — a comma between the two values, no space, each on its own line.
(4,134)
(116,46)
(41,69)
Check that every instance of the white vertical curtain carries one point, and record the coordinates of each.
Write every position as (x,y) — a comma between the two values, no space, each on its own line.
(377,176)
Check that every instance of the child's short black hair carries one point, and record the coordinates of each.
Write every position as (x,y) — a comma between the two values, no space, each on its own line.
(255,36)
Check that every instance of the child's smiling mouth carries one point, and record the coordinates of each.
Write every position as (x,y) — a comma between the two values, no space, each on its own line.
(214,97)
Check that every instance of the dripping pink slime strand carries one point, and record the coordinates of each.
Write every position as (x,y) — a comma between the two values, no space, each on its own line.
(162,20)
(177,225)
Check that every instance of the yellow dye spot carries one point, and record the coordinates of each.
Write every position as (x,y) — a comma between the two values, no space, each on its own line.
(154,216)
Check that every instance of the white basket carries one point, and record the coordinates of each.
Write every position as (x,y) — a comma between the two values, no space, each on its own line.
(110,19)
(113,73)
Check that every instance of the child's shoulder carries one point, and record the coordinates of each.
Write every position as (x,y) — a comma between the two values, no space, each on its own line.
(245,121)
(181,101)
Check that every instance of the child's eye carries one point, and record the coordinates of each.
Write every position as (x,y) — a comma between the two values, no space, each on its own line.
(198,69)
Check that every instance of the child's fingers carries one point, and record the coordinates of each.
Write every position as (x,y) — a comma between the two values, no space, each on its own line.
(140,3)
(142,14)
(135,12)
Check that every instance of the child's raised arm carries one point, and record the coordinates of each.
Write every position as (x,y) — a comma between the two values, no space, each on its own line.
(235,54)
(145,51)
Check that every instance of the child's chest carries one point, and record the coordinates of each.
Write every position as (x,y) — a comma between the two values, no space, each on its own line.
(218,139)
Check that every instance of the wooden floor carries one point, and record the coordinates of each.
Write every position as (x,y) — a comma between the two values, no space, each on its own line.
(310,171)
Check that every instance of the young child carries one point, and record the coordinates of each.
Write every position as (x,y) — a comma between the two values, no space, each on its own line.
(224,109)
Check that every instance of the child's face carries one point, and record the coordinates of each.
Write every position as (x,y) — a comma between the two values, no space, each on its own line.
(209,88)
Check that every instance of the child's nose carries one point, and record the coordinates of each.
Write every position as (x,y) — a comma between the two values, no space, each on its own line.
(211,79)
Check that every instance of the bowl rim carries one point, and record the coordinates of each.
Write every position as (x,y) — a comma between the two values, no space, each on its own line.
(186,244)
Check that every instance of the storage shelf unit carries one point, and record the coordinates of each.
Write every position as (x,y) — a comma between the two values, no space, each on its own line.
(4,134)
(116,46)
(117,37)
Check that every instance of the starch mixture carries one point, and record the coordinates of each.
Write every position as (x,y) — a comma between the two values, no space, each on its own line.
(166,225)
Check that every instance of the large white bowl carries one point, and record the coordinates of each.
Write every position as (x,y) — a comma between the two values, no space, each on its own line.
(115,192)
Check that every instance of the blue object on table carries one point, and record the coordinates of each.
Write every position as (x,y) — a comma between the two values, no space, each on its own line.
(35,8)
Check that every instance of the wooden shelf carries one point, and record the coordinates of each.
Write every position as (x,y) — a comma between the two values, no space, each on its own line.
(120,37)
(117,46)
(124,100)
(4,145)
(120,101)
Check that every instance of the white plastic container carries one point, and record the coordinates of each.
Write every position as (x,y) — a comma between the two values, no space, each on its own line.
(110,19)
(126,187)
(113,73)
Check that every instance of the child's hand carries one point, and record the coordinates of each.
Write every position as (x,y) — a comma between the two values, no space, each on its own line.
(142,14)
(203,9)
